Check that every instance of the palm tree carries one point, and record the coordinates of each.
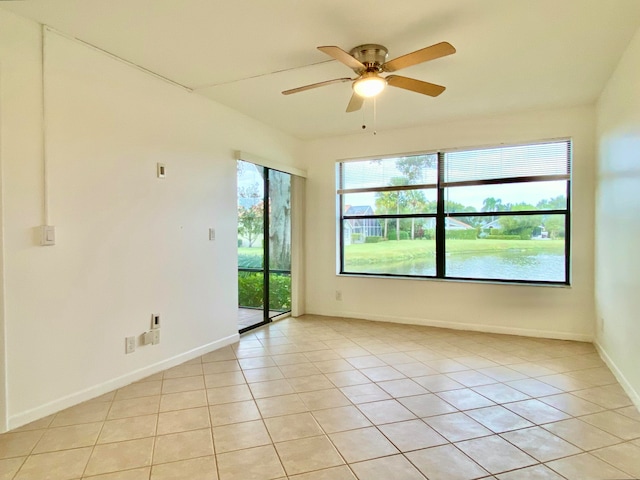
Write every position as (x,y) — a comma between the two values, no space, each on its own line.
(491,204)
(385,201)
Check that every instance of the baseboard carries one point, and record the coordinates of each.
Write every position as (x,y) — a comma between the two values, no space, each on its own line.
(475,327)
(622,380)
(54,406)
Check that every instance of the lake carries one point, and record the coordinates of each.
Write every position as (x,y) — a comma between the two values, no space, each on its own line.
(506,265)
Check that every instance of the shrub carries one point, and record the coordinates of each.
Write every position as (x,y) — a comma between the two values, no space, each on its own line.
(251,291)
(496,231)
(239,242)
(372,239)
(356,237)
(403,235)
(429,233)
(470,234)
(279,292)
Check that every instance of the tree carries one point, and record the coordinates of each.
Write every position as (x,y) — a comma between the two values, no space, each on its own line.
(250,218)
(385,201)
(456,207)
(555,203)
(392,202)
(417,203)
(279,221)
(250,222)
(491,204)
(522,225)
(554,224)
(250,210)
(413,169)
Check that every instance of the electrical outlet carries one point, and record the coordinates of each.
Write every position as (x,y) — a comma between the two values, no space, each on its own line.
(130,345)
(155,320)
(155,337)
(339,295)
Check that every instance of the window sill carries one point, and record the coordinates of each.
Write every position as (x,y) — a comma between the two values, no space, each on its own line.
(456,280)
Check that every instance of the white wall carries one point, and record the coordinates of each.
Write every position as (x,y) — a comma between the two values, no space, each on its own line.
(128,244)
(528,310)
(618,221)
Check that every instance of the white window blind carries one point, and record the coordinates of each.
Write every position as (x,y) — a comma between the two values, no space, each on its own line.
(411,170)
(537,160)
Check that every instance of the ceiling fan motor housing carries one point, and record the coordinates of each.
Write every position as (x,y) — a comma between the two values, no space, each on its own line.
(370,54)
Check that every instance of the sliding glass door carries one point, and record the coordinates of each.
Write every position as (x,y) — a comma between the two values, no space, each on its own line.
(264,245)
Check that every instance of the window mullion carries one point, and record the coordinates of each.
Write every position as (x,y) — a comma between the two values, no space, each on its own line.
(440,222)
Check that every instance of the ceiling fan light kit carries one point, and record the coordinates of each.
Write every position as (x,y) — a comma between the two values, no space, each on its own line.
(369,85)
(368,61)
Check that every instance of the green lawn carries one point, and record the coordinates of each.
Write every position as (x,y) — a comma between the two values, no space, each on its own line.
(251,251)
(402,250)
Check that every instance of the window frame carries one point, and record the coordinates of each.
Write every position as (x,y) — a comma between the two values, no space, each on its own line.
(440,216)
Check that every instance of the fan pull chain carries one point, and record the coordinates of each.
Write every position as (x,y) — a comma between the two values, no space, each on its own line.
(374,116)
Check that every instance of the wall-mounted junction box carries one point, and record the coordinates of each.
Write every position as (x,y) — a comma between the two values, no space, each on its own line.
(155,320)
(47,235)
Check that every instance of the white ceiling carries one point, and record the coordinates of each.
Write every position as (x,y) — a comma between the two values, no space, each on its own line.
(512,55)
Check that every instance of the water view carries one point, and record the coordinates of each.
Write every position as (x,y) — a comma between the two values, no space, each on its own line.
(528,260)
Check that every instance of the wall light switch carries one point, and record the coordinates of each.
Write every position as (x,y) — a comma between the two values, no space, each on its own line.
(212,234)
(47,235)
(130,345)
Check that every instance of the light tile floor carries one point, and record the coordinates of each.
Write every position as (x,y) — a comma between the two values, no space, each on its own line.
(320,398)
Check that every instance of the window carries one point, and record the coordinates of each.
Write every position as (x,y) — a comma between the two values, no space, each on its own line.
(499,214)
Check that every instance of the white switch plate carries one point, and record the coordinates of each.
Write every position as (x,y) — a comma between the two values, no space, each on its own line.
(47,235)
(130,345)
(212,234)
(155,335)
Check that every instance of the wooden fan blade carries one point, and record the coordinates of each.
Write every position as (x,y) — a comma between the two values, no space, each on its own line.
(414,85)
(343,57)
(355,103)
(316,85)
(438,50)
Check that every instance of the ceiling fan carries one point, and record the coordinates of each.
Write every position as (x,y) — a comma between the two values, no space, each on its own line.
(369,61)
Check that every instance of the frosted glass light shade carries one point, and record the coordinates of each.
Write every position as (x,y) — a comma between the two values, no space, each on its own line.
(369,86)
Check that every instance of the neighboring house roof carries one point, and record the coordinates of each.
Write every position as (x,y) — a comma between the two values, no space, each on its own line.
(493,224)
(452,222)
